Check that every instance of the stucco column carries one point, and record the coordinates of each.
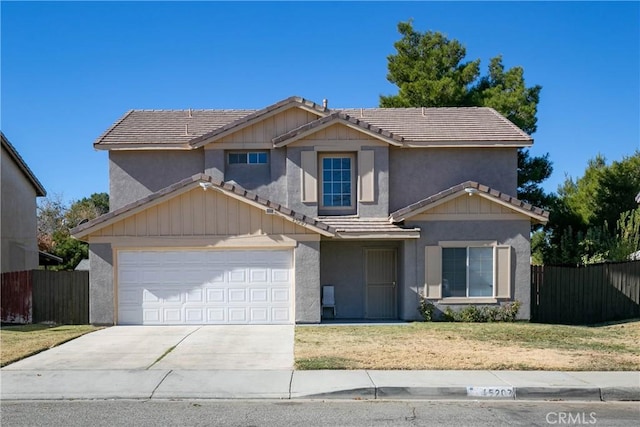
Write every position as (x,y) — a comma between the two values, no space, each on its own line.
(101,306)
(307,282)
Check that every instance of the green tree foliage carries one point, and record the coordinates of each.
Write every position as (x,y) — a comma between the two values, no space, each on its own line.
(55,220)
(595,217)
(430,71)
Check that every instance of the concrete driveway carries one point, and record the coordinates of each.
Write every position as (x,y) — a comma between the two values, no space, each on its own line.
(171,347)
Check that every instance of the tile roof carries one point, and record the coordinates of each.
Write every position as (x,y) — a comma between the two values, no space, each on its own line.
(166,128)
(345,226)
(443,125)
(13,153)
(470,186)
(185,128)
(89,227)
(414,126)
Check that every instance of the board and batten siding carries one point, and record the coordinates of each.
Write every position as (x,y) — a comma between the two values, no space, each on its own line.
(201,213)
(340,132)
(468,207)
(268,128)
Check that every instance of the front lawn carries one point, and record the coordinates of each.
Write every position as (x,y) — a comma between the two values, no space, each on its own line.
(18,342)
(435,345)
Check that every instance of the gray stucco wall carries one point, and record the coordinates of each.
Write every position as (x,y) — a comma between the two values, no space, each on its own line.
(136,174)
(379,208)
(19,224)
(269,181)
(294,182)
(417,173)
(307,283)
(512,233)
(342,265)
(101,303)
(214,161)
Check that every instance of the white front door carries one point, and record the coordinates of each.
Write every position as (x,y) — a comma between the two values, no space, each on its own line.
(205,287)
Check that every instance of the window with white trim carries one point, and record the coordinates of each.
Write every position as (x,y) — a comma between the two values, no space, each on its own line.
(337,181)
(467,272)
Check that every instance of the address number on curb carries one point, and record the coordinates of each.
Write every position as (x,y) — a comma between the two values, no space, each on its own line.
(499,392)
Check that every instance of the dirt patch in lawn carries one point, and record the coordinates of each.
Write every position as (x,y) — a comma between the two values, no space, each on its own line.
(18,342)
(514,346)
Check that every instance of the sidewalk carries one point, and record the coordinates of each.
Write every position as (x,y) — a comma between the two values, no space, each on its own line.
(289,384)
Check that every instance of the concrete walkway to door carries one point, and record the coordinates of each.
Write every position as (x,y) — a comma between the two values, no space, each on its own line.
(211,347)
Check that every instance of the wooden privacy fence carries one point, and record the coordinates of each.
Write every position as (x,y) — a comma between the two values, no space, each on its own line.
(585,295)
(45,296)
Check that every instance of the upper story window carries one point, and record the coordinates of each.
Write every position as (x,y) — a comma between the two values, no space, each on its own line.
(248,158)
(337,186)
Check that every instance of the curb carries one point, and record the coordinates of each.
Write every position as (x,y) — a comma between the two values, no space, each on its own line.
(605,394)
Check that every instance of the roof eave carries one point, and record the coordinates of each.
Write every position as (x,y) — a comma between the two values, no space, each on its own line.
(468,144)
(382,235)
(35,182)
(142,146)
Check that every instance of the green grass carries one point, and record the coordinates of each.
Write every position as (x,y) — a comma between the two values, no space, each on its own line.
(18,342)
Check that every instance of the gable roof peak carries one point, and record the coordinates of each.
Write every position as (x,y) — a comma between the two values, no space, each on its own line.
(471,188)
(17,158)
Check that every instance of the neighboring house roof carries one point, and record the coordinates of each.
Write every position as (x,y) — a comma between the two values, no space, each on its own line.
(235,191)
(45,258)
(471,188)
(40,191)
(188,129)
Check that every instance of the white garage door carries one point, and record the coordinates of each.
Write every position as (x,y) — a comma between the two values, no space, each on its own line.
(204,287)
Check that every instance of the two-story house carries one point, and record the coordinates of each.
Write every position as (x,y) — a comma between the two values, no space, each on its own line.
(20,188)
(242,216)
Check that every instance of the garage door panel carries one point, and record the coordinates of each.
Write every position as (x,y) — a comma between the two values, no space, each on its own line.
(194,315)
(172,315)
(280,275)
(259,295)
(194,295)
(216,315)
(280,295)
(259,314)
(280,315)
(151,315)
(237,275)
(237,315)
(258,275)
(215,295)
(237,295)
(204,287)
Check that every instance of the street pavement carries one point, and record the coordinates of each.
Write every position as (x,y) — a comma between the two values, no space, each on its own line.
(256,362)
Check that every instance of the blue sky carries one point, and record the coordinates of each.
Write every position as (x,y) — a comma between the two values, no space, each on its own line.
(69,70)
